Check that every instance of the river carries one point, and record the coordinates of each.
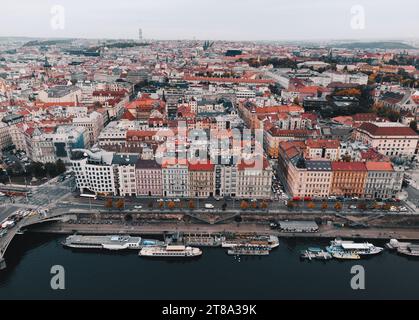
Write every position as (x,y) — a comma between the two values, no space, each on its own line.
(215,275)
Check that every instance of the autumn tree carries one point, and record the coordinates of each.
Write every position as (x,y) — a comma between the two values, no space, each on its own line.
(120,204)
(264,205)
(290,204)
(161,205)
(244,205)
(109,204)
(254,205)
(338,206)
(311,205)
(191,204)
(324,205)
(171,205)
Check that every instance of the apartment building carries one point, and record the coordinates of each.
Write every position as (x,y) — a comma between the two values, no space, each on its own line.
(390,139)
(384,180)
(175,179)
(349,179)
(149,178)
(201,180)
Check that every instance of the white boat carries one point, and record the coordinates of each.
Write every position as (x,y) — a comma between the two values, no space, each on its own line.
(113,243)
(249,250)
(362,249)
(404,248)
(268,241)
(346,256)
(170,252)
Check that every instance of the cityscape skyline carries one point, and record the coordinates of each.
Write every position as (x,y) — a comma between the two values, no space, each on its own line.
(160,20)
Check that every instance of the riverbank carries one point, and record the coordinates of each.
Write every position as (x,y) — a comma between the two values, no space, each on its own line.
(325,232)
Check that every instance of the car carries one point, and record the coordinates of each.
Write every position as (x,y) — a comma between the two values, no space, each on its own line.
(176,200)
(138,207)
(393,209)
(209,206)
(403,209)
(352,207)
(160,200)
(332,198)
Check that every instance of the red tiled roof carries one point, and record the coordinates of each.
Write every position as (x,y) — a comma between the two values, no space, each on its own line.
(348,166)
(387,131)
(379,166)
(201,167)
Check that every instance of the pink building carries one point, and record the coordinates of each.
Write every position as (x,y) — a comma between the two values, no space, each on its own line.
(149,178)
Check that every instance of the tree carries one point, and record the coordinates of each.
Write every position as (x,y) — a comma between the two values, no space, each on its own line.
(161,205)
(254,205)
(362,206)
(51,169)
(414,125)
(324,205)
(338,206)
(191,204)
(120,204)
(264,205)
(60,166)
(171,205)
(109,204)
(311,205)
(290,204)
(244,205)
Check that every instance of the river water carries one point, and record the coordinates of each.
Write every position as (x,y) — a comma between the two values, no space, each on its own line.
(215,275)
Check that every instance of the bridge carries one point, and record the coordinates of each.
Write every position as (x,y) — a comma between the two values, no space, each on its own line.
(56,215)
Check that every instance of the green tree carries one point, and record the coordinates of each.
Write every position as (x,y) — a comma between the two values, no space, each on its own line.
(60,166)
(414,125)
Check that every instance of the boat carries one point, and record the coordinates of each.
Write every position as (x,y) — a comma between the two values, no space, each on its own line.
(362,249)
(346,256)
(404,248)
(316,253)
(267,241)
(248,250)
(170,251)
(202,240)
(114,243)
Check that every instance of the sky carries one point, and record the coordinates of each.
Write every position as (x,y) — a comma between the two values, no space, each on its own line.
(212,19)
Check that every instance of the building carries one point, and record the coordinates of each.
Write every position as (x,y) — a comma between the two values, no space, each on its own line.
(309,178)
(254,182)
(149,178)
(93,123)
(390,139)
(384,181)
(175,179)
(349,179)
(94,172)
(201,180)
(323,149)
(61,94)
(125,174)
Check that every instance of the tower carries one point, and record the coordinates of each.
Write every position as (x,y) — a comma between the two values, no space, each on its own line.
(140,34)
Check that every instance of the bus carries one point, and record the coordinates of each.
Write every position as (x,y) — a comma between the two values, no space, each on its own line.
(89,196)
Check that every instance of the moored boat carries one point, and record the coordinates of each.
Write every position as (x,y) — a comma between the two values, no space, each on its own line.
(170,252)
(114,243)
(249,250)
(346,256)
(362,249)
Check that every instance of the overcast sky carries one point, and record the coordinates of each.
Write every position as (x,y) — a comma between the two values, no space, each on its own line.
(212,19)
